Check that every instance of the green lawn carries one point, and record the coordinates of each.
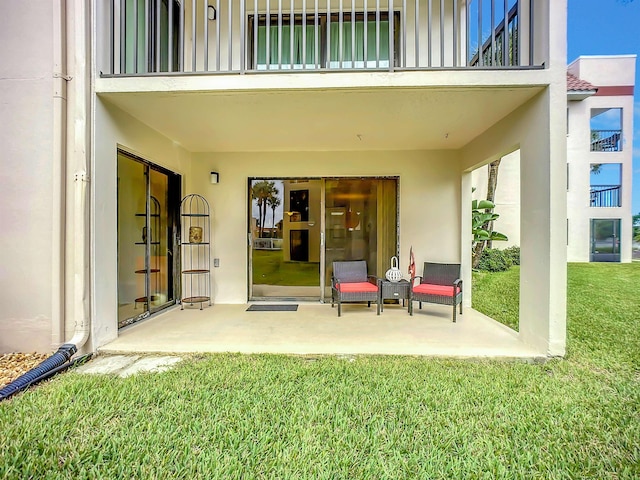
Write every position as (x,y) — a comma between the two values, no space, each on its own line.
(275,416)
(270,269)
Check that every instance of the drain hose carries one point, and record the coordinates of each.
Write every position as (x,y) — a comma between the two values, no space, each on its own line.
(64,353)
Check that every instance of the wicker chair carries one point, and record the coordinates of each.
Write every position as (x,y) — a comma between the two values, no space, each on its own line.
(440,283)
(350,283)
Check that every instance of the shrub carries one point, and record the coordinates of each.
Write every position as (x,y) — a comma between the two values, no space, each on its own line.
(514,254)
(493,260)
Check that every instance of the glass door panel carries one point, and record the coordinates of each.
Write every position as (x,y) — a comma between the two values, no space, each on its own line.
(285,238)
(132,231)
(147,226)
(361,223)
(161,243)
(605,240)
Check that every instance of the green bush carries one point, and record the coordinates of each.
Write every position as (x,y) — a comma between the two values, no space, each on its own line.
(514,254)
(493,260)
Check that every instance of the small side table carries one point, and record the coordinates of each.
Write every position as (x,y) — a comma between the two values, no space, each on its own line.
(393,290)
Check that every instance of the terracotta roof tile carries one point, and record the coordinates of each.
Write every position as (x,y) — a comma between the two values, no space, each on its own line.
(574,84)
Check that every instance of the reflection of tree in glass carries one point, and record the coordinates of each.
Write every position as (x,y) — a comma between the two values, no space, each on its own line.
(262,191)
(274,202)
(604,229)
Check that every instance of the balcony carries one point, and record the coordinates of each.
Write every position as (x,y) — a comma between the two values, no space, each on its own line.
(606,140)
(604,196)
(161,37)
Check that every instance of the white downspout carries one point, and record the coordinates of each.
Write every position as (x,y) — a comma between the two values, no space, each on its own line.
(77,162)
(60,79)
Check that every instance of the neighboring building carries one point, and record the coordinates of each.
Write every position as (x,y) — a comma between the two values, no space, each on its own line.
(599,164)
(600,158)
(115,110)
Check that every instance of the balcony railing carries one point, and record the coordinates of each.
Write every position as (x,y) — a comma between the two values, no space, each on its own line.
(246,36)
(606,140)
(604,196)
(502,46)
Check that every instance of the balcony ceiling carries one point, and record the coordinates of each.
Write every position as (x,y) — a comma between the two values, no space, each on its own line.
(323,119)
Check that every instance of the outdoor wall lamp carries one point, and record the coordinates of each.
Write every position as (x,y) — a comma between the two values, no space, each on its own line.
(211,12)
(215,178)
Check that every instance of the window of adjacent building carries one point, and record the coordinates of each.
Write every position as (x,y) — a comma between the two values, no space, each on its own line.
(606,129)
(605,184)
(334,41)
(605,240)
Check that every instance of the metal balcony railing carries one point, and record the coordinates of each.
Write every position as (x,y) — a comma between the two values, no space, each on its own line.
(606,140)
(604,196)
(246,36)
(501,48)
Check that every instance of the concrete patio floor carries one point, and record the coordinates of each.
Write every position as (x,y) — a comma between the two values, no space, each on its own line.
(316,329)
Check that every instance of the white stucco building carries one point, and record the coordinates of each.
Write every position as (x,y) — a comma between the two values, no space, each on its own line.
(115,110)
(599,164)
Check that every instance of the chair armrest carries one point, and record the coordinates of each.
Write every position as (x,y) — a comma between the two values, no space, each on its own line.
(412,281)
(458,283)
(372,279)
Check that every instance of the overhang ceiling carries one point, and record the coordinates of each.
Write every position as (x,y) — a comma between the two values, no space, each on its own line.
(327,119)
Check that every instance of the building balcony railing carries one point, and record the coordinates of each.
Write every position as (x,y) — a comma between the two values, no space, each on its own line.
(606,140)
(246,36)
(604,196)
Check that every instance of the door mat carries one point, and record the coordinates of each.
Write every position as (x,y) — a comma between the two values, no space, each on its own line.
(272,308)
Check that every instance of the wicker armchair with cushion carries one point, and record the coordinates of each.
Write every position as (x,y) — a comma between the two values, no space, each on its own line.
(440,283)
(350,283)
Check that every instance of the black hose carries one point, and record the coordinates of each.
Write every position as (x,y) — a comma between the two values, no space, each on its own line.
(64,353)
(78,361)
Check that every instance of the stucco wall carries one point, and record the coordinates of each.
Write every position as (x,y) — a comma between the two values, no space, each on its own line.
(538,128)
(610,71)
(507,199)
(429,198)
(119,130)
(30,178)
(580,159)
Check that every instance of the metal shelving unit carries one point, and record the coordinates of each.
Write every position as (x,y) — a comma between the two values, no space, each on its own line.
(150,231)
(196,251)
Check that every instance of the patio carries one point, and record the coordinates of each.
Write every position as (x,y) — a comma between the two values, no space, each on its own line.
(316,329)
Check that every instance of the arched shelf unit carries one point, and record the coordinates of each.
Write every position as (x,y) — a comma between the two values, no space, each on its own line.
(150,231)
(195,250)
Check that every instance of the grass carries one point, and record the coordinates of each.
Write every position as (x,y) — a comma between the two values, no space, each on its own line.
(497,295)
(270,269)
(274,416)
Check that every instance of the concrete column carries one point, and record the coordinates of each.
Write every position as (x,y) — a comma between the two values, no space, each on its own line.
(466,235)
(543,275)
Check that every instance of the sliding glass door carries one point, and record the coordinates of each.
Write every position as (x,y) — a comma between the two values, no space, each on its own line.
(298,227)
(148,198)
(361,223)
(285,238)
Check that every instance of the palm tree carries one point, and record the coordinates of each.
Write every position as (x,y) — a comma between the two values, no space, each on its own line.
(260,192)
(492,184)
(274,202)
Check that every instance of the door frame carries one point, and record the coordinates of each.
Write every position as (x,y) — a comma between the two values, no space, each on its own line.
(322,254)
(320,296)
(174,195)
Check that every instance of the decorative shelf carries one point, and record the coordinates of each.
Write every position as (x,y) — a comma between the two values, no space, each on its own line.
(195,231)
(196,300)
(150,228)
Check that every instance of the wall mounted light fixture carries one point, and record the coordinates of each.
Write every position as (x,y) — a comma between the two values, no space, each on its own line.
(215,178)
(211,12)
